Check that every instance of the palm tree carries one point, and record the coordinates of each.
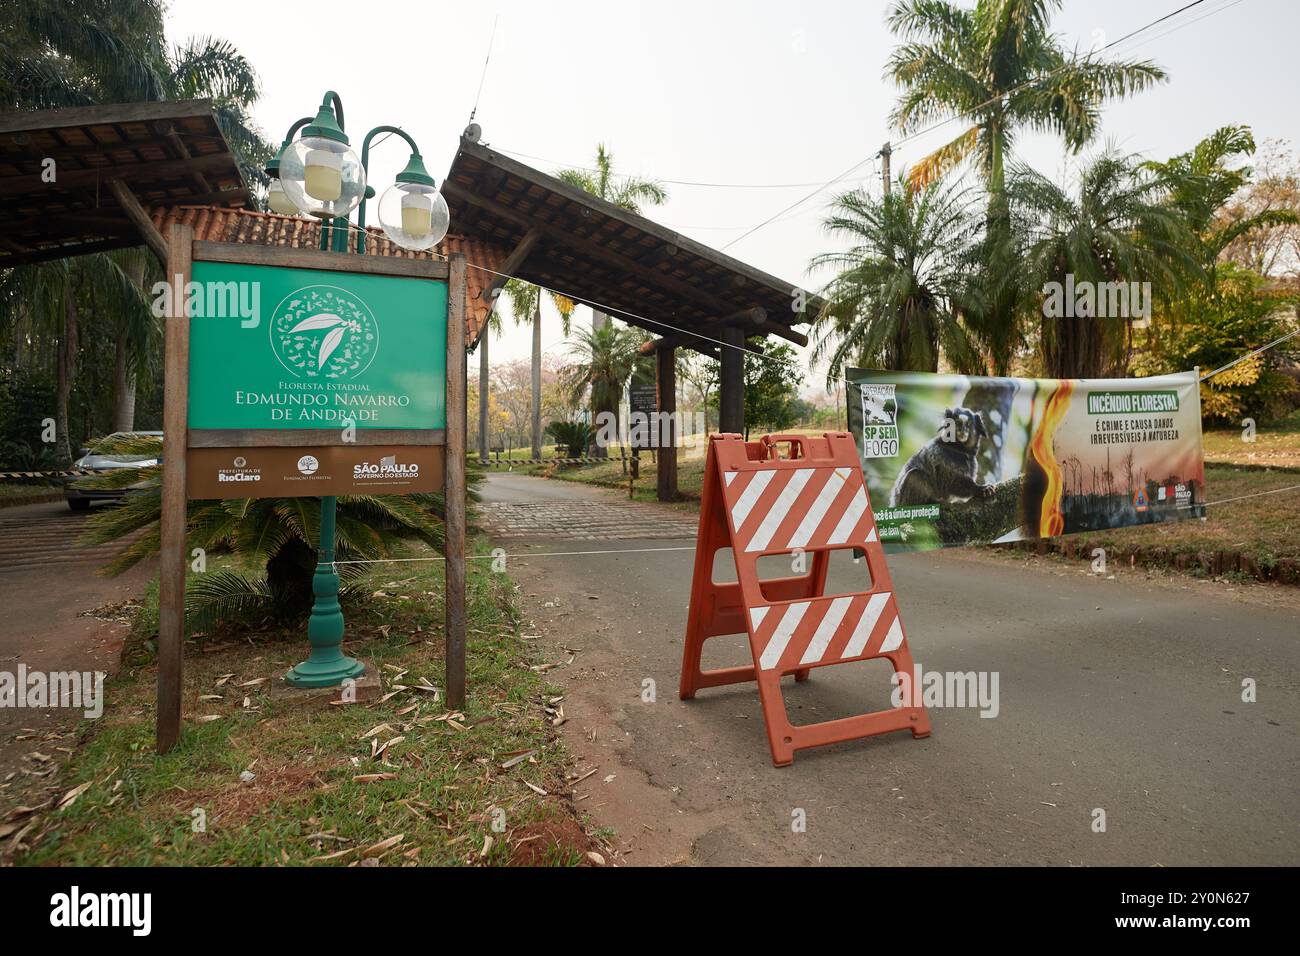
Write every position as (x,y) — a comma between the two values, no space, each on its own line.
(998,67)
(626,192)
(1200,183)
(896,301)
(115,51)
(603,360)
(1118,228)
(526,305)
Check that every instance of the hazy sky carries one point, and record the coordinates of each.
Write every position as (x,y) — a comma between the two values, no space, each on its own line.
(765,92)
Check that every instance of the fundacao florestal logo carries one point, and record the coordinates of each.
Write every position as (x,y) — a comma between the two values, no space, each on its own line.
(324,333)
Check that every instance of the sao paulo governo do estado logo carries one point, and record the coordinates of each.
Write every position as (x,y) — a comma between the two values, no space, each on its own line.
(324,333)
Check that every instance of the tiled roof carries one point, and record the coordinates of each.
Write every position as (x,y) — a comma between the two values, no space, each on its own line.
(215,224)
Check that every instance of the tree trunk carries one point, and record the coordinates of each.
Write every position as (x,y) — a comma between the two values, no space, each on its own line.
(483,393)
(123,386)
(1073,347)
(66,369)
(537,376)
(123,371)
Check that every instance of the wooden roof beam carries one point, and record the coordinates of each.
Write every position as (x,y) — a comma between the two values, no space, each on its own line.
(517,257)
(140,219)
(18,185)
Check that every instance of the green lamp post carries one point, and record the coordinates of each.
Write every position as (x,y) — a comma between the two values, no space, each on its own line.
(320,175)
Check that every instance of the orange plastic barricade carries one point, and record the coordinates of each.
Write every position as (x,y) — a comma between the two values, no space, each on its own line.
(757,502)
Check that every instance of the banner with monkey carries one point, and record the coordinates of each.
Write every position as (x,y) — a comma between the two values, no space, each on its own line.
(958,459)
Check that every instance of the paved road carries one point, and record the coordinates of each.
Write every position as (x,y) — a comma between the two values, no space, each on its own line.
(1115,694)
(58,615)
(46,535)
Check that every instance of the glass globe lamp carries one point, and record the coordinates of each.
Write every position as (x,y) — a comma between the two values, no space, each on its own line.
(278,200)
(322,177)
(412,212)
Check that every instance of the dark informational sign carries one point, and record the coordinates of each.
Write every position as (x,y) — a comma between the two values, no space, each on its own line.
(642,403)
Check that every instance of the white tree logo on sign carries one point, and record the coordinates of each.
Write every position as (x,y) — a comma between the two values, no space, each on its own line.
(323,332)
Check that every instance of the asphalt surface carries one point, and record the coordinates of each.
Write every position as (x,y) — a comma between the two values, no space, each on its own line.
(56,614)
(1118,694)
(46,535)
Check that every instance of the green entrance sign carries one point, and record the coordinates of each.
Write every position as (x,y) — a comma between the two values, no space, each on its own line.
(287,349)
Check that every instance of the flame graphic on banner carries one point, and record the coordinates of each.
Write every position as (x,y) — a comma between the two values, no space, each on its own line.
(1052,520)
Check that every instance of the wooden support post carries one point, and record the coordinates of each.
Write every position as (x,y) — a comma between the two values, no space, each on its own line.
(666,433)
(731,393)
(172,554)
(455,486)
(484,384)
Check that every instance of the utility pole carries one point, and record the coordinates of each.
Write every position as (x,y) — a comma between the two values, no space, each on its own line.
(884,154)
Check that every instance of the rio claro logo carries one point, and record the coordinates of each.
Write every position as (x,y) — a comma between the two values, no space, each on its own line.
(324,333)
(239,471)
(387,468)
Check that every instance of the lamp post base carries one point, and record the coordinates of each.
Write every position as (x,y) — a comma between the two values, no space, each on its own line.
(325,673)
(326,666)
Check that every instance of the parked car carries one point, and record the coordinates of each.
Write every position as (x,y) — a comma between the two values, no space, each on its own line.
(79,497)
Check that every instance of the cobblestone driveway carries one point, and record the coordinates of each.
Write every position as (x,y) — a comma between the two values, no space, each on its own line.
(583,520)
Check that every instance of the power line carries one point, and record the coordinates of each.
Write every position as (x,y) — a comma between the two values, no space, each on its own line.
(486,60)
(1262,348)
(670,182)
(617,312)
(568,554)
(936,125)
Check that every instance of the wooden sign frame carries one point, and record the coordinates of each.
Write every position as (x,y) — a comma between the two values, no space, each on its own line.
(182,251)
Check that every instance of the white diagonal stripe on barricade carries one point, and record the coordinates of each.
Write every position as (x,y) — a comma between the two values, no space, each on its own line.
(866,624)
(749,497)
(894,637)
(756,615)
(825,498)
(826,630)
(779,510)
(781,636)
(852,515)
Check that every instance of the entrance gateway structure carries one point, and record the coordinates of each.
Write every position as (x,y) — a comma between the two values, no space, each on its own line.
(91,179)
(567,240)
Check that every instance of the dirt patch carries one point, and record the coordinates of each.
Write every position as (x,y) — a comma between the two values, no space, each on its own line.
(549,841)
(243,800)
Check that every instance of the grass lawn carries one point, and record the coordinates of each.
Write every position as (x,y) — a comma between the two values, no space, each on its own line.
(284,777)
(1264,529)
(16,493)
(1275,446)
